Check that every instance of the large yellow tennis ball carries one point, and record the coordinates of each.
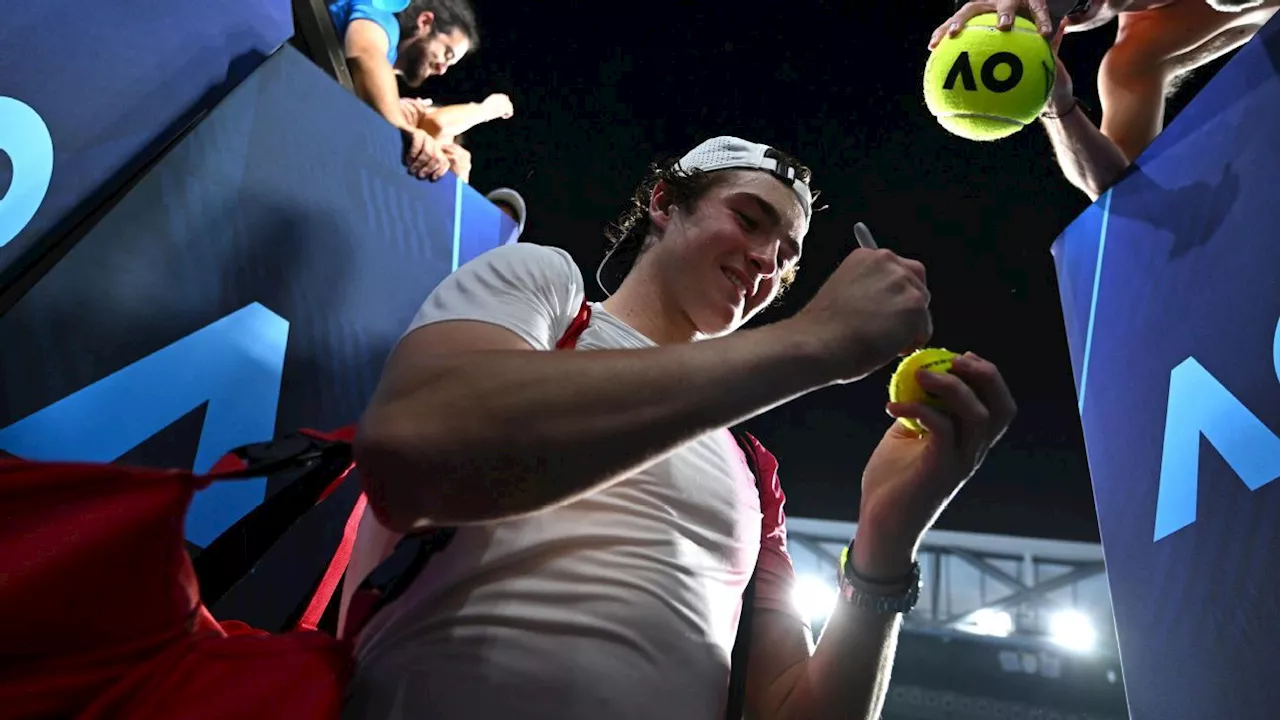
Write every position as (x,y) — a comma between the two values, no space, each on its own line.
(903,386)
(985,84)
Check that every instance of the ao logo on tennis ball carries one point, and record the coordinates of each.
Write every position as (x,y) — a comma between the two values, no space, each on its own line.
(25,138)
(962,71)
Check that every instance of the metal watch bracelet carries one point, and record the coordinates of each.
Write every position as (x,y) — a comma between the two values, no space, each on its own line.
(899,596)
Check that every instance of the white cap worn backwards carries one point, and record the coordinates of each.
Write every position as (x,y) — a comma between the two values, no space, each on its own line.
(726,152)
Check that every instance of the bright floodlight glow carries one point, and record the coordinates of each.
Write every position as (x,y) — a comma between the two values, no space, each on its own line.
(996,623)
(814,598)
(1073,630)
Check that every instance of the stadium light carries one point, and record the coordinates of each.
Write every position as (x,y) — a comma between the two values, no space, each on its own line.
(986,621)
(813,597)
(1072,630)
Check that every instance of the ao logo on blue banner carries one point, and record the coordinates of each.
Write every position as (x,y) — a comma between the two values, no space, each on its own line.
(1200,405)
(235,365)
(25,138)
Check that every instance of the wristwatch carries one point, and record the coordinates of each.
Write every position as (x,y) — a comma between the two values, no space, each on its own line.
(879,596)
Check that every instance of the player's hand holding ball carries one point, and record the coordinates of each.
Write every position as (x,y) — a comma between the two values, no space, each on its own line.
(905,387)
(949,409)
(962,410)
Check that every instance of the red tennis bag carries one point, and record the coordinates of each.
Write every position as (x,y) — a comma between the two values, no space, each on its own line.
(102,615)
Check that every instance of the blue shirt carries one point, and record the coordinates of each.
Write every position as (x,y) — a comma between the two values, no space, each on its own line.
(382,12)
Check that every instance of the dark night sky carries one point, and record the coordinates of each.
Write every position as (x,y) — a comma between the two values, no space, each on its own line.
(600,90)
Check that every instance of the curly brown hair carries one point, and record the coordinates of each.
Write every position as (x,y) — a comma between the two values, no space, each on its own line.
(629,235)
(449,15)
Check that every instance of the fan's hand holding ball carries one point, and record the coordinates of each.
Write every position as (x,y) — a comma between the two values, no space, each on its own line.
(1006,10)
(984,83)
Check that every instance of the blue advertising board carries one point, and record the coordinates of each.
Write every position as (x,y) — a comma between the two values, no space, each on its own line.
(1171,297)
(252,283)
(89,91)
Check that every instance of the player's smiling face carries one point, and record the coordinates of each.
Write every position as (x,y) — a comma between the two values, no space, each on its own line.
(727,256)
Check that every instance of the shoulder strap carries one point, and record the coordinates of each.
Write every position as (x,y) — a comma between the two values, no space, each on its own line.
(580,322)
(314,464)
(736,704)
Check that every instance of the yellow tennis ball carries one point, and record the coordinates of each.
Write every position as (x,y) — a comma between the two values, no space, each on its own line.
(985,84)
(903,386)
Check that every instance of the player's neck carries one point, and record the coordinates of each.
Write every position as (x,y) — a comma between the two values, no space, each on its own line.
(642,305)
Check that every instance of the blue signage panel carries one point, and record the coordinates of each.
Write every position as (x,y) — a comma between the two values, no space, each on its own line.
(1172,306)
(233,367)
(260,274)
(91,89)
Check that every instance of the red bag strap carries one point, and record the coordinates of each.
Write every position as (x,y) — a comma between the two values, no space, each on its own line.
(319,463)
(736,701)
(569,340)
(323,595)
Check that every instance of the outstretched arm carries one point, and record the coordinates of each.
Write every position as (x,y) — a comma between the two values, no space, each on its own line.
(1131,88)
(1132,91)
(449,121)
(469,424)
(366,46)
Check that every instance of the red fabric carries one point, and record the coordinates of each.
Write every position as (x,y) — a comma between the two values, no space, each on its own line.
(337,567)
(234,672)
(343,434)
(569,340)
(229,463)
(775,573)
(337,483)
(102,615)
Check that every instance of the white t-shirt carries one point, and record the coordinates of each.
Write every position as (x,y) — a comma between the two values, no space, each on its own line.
(623,604)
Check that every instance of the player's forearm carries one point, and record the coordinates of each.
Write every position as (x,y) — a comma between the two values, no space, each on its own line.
(375,83)
(1090,160)
(452,120)
(848,674)
(491,435)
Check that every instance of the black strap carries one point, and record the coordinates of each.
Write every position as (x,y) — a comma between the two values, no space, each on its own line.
(395,574)
(309,466)
(735,706)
